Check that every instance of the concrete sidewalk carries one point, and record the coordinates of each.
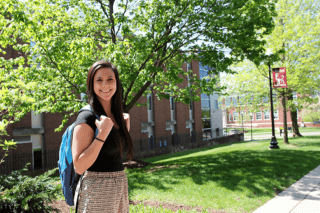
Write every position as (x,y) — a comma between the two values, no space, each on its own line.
(301,197)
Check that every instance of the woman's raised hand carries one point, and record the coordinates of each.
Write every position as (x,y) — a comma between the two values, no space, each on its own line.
(104,125)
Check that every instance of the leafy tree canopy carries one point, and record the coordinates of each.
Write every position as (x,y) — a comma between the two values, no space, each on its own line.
(63,38)
(297,33)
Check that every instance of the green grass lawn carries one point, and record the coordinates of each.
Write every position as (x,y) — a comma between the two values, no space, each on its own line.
(309,129)
(236,178)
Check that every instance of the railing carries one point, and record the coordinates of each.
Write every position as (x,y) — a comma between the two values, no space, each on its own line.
(13,161)
(155,146)
(147,147)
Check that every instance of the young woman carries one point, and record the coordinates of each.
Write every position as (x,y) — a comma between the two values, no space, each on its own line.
(104,186)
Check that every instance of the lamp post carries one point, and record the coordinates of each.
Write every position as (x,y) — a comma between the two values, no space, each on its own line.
(273,143)
(251,123)
(242,123)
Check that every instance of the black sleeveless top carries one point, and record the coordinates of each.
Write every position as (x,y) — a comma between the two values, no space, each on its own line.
(109,158)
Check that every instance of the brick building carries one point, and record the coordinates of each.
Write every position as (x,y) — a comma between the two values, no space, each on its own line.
(236,113)
(155,125)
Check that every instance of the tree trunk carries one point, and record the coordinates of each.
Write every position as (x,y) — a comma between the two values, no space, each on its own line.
(285,126)
(294,119)
(295,126)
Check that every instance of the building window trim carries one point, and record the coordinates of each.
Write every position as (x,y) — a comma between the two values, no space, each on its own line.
(260,116)
(274,114)
(266,116)
(235,116)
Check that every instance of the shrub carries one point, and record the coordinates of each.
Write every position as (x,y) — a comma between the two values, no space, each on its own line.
(21,193)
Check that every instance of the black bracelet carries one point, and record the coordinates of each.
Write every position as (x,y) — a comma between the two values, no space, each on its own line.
(99,140)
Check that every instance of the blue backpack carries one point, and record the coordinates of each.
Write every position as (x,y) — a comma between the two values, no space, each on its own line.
(69,178)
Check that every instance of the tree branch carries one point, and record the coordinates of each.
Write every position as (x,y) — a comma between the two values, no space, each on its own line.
(139,94)
(57,67)
(111,20)
(125,10)
(103,8)
(128,89)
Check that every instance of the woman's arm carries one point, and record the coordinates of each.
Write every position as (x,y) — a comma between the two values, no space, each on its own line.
(85,149)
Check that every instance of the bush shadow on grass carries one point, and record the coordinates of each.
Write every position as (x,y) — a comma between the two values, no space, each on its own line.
(259,171)
(137,177)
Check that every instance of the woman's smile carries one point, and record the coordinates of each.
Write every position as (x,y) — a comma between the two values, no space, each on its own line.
(105,91)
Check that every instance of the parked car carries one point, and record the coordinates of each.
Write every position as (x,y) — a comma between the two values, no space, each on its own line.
(234,131)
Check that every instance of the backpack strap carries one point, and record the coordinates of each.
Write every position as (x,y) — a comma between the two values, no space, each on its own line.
(88,108)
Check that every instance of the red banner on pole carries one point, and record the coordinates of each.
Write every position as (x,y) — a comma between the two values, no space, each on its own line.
(279,77)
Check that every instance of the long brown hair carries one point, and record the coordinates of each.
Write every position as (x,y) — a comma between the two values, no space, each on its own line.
(116,105)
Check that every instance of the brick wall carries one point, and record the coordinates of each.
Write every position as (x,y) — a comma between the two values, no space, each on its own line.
(263,123)
(182,110)
(161,115)
(197,112)
(138,115)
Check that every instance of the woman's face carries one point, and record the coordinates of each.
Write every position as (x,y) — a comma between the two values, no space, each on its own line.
(105,84)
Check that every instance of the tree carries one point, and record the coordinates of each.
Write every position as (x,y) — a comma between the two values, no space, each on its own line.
(297,33)
(311,113)
(148,41)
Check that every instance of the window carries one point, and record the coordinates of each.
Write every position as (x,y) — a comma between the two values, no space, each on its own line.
(251,115)
(230,117)
(216,104)
(205,101)
(149,102)
(258,116)
(206,116)
(203,71)
(265,99)
(228,101)
(242,100)
(275,114)
(266,115)
(217,132)
(171,103)
(21,138)
(235,101)
(205,104)
(235,116)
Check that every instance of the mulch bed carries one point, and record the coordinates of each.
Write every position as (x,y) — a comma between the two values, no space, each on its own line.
(135,164)
(173,207)
(65,208)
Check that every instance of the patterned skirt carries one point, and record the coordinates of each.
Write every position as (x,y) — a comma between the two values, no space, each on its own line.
(102,192)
